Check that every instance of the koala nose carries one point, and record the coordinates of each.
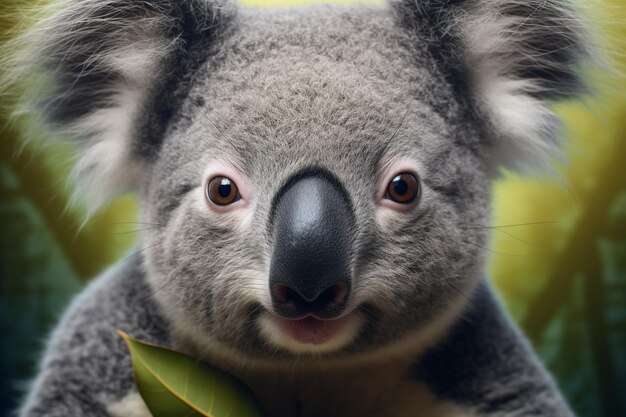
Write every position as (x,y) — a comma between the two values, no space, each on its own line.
(310,268)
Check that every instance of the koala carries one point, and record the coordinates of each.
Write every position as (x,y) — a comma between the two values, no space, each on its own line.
(315,188)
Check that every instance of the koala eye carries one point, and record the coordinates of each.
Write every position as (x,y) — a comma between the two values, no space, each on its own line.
(404,188)
(222,191)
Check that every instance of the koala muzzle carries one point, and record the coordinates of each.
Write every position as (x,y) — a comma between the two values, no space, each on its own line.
(310,270)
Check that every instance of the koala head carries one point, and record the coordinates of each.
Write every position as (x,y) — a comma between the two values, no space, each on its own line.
(317,178)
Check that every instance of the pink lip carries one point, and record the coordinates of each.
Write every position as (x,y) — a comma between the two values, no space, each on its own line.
(311,330)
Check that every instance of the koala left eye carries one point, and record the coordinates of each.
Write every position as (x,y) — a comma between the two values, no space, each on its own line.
(222,191)
(404,188)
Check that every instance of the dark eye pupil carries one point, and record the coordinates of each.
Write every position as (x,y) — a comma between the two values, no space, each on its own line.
(404,188)
(400,186)
(222,191)
(225,188)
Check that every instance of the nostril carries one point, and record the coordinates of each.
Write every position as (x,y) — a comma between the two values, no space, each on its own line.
(327,304)
(333,295)
(283,294)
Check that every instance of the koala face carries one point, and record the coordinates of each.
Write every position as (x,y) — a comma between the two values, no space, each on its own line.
(312,255)
(317,178)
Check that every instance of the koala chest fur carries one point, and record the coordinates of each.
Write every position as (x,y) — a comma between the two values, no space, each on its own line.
(315,184)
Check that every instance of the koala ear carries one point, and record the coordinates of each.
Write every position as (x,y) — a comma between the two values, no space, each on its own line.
(106,66)
(517,57)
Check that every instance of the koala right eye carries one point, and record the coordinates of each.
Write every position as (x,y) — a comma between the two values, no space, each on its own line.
(222,191)
(404,188)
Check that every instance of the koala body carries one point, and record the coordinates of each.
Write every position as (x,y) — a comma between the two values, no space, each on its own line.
(315,185)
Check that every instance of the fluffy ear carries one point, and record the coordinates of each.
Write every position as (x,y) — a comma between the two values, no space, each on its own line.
(100,63)
(516,57)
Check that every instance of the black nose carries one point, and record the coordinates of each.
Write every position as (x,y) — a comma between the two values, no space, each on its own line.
(310,269)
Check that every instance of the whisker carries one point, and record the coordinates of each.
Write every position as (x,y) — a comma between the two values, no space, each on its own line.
(136,222)
(134,254)
(519,239)
(516,255)
(512,225)
(128,232)
(457,290)
(395,133)
(169,281)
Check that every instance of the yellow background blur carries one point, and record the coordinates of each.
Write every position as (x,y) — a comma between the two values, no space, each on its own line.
(558,254)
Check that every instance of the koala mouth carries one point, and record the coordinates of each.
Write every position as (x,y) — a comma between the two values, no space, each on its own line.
(312,330)
(310,334)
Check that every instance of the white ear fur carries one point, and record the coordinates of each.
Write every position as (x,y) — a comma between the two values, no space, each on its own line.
(105,167)
(90,66)
(56,50)
(499,46)
(526,129)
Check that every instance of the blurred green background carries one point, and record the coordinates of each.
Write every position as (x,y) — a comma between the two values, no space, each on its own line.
(558,254)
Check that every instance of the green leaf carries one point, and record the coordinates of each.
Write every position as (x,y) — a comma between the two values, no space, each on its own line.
(174,384)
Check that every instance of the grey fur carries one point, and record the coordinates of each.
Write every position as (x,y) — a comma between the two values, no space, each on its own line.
(86,363)
(268,95)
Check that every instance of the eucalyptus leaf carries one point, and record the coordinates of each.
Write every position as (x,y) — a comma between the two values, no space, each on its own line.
(175,385)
